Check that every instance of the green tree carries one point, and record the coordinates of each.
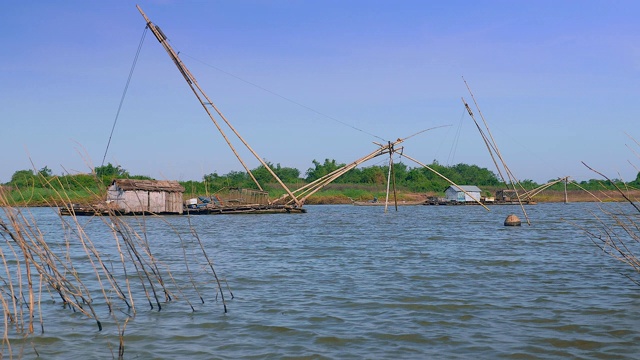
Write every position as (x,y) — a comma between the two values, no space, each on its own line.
(287,174)
(262,175)
(401,171)
(23,178)
(417,180)
(530,184)
(320,170)
(475,175)
(636,182)
(78,182)
(110,171)
(353,176)
(597,184)
(374,175)
(211,178)
(45,172)
(238,179)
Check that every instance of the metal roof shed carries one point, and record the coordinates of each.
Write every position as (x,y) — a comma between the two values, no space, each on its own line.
(455,193)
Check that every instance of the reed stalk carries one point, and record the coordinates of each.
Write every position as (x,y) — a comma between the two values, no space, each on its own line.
(33,264)
(618,232)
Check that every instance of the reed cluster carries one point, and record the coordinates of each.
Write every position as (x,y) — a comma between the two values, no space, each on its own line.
(617,228)
(104,275)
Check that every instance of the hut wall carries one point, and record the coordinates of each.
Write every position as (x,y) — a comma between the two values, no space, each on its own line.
(156,201)
(173,202)
(475,196)
(165,202)
(459,196)
(451,194)
(118,196)
(136,201)
(114,193)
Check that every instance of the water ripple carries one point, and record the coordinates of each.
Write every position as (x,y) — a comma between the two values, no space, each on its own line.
(347,282)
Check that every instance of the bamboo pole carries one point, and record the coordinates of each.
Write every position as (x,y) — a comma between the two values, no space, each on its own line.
(198,91)
(193,85)
(483,119)
(309,189)
(485,139)
(531,193)
(386,199)
(327,179)
(393,179)
(491,140)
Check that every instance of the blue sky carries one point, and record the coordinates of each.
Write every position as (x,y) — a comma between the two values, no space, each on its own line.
(557,82)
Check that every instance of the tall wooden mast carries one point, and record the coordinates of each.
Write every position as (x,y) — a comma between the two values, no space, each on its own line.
(207,104)
(492,146)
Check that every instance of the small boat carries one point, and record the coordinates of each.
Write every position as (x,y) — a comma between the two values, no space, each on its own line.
(375,202)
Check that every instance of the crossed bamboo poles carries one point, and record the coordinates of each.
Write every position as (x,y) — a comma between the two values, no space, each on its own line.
(492,147)
(290,198)
(207,104)
(390,148)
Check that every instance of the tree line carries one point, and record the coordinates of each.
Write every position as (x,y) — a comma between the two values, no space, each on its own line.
(412,179)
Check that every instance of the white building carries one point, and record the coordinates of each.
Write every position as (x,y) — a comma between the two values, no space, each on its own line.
(456,193)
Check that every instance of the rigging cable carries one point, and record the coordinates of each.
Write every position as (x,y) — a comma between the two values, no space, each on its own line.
(124,93)
(456,140)
(286,98)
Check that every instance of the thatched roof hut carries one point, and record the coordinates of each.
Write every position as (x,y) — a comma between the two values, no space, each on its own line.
(146,196)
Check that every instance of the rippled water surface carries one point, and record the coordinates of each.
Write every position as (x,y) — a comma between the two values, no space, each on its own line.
(354,282)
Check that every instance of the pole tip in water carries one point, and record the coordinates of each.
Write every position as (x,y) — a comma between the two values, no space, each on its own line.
(512,220)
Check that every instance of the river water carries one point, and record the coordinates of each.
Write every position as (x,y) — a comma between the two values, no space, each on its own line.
(341,282)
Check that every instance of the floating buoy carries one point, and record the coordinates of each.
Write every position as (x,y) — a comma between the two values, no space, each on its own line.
(512,220)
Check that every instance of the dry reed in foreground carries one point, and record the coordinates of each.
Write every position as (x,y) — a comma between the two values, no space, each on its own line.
(107,277)
(618,231)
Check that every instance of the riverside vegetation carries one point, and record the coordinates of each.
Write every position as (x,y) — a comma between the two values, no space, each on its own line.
(42,187)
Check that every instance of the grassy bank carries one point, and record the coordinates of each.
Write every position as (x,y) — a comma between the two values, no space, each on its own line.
(332,194)
(49,197)
(346,193)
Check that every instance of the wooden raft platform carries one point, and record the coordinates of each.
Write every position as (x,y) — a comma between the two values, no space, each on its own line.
(100,210)
(390,203)
(244,209)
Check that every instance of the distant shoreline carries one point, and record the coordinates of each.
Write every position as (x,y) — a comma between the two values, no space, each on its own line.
(549,196)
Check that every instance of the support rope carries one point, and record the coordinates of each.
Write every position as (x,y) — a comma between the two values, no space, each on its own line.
(124,93)
(287,99)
